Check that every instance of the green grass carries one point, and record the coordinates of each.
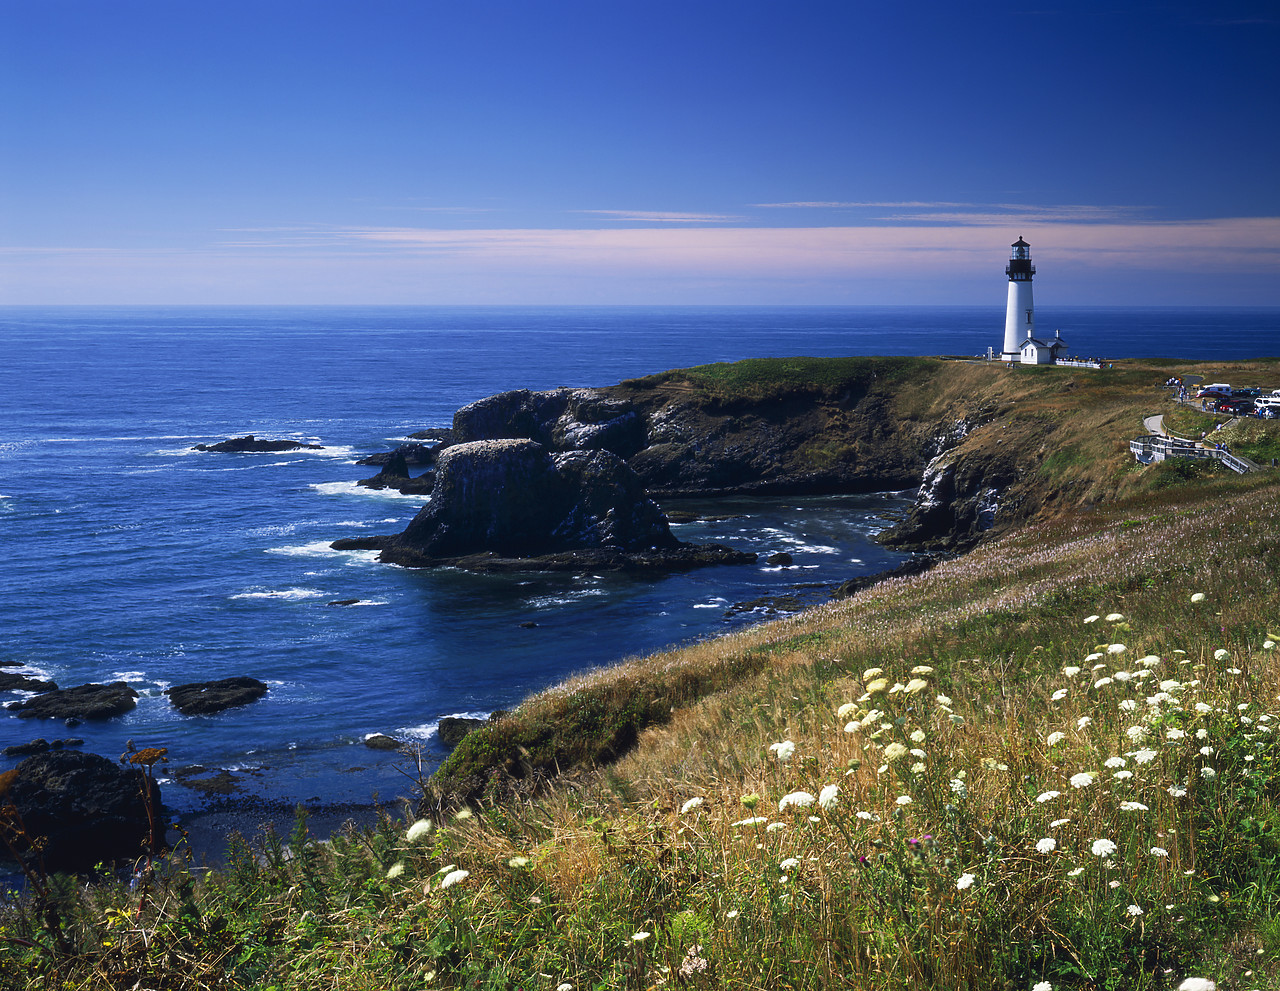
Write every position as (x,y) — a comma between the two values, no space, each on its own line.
(760,379)
(870,891)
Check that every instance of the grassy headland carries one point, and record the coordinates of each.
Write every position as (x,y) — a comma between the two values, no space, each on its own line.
(1050,760)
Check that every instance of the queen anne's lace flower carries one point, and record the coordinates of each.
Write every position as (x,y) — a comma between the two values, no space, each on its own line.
(1046,845)
(1103,848)
(1082,780)
(690,805)
(964,881)
(800,799)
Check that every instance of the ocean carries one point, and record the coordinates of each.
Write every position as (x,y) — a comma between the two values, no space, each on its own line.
(129,556)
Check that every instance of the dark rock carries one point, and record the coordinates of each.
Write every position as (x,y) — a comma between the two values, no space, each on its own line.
(21,683)
(782,557)
(513,498)
(410,454)
(204,698)
(6,663)
(560,420)
(380,741)
(441,435)
(370,543)
(249,443)
(86,809)
(913,566)
(453,728)
(685,557)
(37,746)
(528,625)
(957,502)
(82,702)
(395,475)
(344,602)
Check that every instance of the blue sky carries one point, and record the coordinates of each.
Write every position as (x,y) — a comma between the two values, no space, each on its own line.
(513,151)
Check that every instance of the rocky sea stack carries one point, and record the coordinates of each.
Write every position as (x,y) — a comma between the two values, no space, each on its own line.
(511,504)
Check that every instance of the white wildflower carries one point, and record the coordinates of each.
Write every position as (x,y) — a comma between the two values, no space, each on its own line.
(827,797)
(1047,796)
(800,799)
(418,830)
(1103,848)
(1082,780)
(1046,845)
(690,805)
(1159,851)
(1055,738)
(1143,756)
(453,877)
(964,881)
(1133,910)
(783,750)
(1133,807)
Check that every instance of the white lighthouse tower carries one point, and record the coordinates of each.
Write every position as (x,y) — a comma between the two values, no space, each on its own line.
(1020,315)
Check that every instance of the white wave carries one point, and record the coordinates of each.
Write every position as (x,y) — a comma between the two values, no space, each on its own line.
(564,598)
(427,730)
(321,548)
(351,488)
(128,676)
(715,603)
(287,594)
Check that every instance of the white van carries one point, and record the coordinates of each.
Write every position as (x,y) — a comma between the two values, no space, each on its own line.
(1214,389)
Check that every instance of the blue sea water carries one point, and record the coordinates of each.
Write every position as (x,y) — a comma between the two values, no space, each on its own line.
(126,555)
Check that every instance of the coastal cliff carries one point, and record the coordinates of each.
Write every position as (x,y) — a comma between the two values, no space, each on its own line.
(986,447)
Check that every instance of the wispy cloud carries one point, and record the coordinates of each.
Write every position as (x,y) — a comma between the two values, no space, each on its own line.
(974,214)
(1084,261)
(664,217)
(852,204)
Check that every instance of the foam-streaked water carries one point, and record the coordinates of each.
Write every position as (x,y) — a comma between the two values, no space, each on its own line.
(129,556)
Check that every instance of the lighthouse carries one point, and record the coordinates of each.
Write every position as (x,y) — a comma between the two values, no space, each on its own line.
(1020,314)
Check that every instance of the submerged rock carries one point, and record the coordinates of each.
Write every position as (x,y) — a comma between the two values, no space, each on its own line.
(85,808)
(82,702)
(204,698)
(251,444)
